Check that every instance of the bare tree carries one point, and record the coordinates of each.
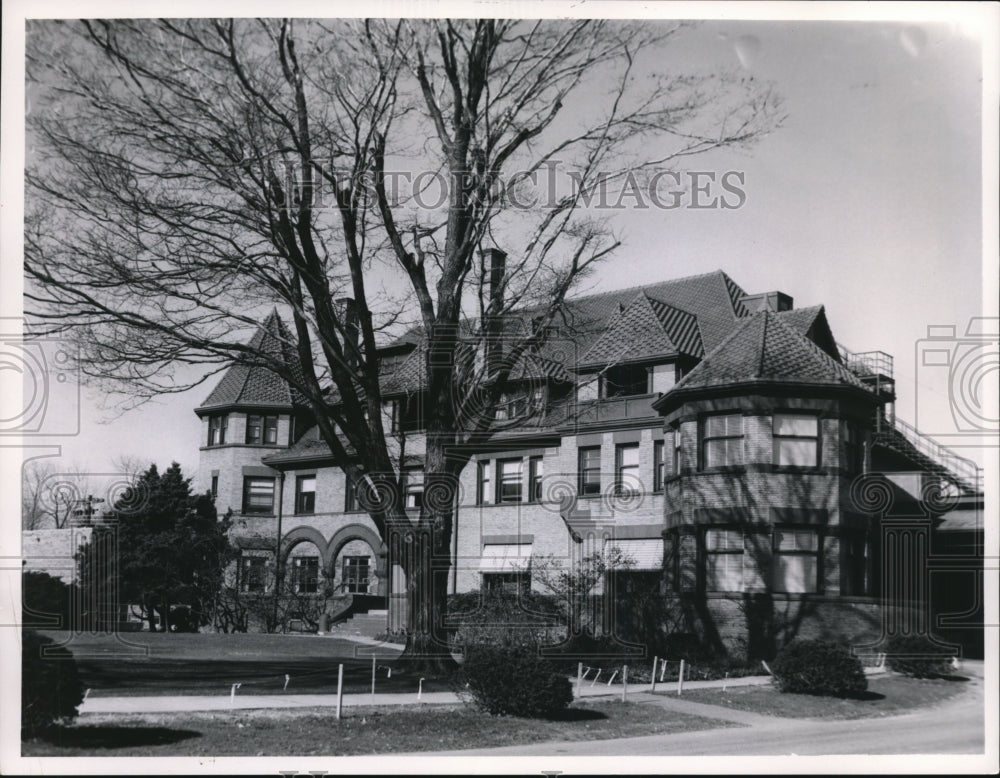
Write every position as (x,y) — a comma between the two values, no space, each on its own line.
(187,176)
(51,494)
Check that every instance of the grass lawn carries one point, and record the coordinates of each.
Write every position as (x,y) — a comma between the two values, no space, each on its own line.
(375,730)
(886,696)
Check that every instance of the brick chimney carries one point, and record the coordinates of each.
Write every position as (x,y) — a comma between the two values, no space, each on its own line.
(496,261)
(767,301)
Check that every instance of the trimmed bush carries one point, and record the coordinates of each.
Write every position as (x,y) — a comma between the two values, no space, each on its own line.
(917,656)
(515,681)
(816,667)
(46,601)
(504,619)
(51,690)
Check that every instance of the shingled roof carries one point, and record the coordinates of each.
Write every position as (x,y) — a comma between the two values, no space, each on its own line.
(646,328)
(694,314)
(255,386)
(766,348)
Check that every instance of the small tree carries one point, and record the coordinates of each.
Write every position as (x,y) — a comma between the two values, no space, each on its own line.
(47,600)
(51,690)
(171,549)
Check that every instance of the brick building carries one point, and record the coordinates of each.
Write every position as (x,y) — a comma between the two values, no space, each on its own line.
(722,441)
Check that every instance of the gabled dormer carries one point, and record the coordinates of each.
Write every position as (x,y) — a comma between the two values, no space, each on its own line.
(645,349)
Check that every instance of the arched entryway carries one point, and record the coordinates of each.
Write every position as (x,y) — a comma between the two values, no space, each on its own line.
(357,562)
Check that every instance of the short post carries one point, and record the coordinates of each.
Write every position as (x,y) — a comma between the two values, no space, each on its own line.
(287,679)
(373,673)
(340,689)
(725,682)
(232,693)
(652,676)
(420,689)
(680,680)
(579,679)
(624,683)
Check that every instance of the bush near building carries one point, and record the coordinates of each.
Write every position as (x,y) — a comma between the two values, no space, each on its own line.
(917,656)
(818,667)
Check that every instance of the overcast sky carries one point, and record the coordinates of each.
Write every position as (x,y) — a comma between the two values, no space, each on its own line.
(867,200)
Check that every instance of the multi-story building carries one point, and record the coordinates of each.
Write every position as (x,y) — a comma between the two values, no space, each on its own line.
(721,440)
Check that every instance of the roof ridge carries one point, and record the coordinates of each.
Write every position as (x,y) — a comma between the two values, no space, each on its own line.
(642,287)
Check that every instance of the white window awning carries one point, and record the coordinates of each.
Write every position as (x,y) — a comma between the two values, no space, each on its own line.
(644,554)
(505,558)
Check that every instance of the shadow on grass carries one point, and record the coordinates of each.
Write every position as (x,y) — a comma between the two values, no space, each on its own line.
(867,696)
(101,736)
(960,678)
(577,714)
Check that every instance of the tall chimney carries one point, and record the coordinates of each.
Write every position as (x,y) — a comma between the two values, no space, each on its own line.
(352,330)
(496,260)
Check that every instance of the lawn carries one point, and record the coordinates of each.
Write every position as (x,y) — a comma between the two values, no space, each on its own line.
(146,663)
(886,696)
(375,730)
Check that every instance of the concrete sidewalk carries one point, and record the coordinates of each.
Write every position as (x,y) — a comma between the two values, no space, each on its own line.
(205,702)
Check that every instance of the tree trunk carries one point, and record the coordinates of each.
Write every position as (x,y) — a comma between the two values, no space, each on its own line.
(426,569)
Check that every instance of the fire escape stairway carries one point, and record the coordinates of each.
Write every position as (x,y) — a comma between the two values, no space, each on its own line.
(929,455)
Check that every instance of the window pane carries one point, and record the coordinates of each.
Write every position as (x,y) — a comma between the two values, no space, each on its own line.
(795,451)
(723,540)
(795,573)
(724,572)
(628,456)
(793,424)
(307,483)
(590,458)
(796,540)
(724,426)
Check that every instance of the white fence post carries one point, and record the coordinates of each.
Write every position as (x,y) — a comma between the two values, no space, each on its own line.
(340,689)
(624,683)
(652,677)
(579,679)
(680,680)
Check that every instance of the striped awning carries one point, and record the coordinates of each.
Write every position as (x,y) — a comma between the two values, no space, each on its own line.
(505,558)
(644,554)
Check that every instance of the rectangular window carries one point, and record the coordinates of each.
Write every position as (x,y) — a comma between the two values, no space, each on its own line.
(723,560)
(659,470)
(507,583)
(625,381)
(796,560)
(677,451)
(722,438)
(509,480)
(354,578)
(258,495)
(855,564)
(253,573)
(853,448)
(262,429)
(484,493)
(305,574)
(796,440)
(413,487)
(215,487)
(627,481)
(305,494)
(217,429)
(589,470)
(535,473)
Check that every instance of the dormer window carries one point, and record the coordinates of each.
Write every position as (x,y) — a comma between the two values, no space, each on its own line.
(625,381)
